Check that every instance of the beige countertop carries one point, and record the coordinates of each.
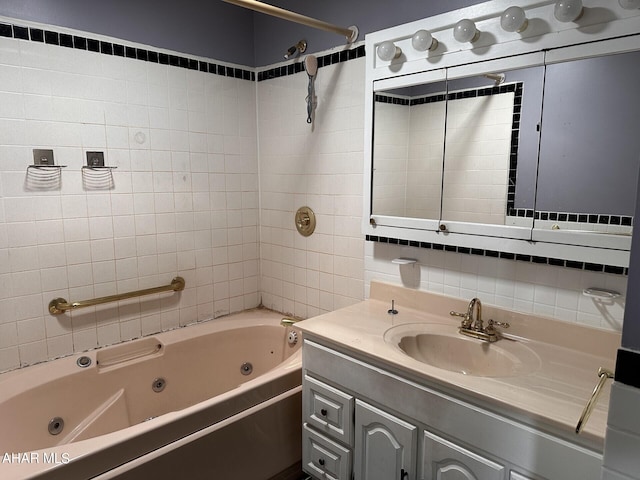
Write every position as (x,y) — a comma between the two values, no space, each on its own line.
(552,395)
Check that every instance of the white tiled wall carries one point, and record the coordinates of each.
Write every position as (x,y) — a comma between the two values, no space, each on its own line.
(183,200)
(320,166)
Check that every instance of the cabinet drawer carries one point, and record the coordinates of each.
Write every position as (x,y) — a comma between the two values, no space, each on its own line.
(324,458)
(328,409)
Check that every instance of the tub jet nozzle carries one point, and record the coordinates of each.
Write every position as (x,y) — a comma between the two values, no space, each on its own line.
(56,425)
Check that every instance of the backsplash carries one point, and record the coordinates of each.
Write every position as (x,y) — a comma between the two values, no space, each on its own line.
(544,289)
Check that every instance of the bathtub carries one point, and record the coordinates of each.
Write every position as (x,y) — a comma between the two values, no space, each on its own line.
(220,399)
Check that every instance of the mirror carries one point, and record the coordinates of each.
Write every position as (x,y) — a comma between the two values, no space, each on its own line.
(588,171)
(471,158)
(558,186)
(491,147)
(408,147)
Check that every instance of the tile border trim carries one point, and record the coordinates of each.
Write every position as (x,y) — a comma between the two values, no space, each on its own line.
(323,61)
(67,40)
(591,267)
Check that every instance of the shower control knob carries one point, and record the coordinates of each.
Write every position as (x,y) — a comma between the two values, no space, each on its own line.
(292,337)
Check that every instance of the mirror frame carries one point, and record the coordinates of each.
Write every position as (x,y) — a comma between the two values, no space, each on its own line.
(545,41)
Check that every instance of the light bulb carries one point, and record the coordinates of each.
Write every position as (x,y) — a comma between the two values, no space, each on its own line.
(465,31)
(387,51)
(422,41)
(567,10)
(514,19)
(629,4)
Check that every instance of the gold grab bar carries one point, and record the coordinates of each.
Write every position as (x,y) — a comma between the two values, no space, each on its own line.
(60,305)
(604,374)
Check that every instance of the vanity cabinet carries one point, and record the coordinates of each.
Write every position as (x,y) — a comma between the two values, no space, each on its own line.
(366,421)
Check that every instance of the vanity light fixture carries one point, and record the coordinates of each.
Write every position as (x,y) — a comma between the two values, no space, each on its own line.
(422,41)
(514,19)
(629,4)
(465,31)
(387,51)
(567,10)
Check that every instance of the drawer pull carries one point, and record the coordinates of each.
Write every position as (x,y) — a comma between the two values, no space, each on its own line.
(321,462)
(323,412)
(403,474)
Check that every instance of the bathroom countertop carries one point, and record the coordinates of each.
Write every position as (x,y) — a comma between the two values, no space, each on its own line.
(554,394)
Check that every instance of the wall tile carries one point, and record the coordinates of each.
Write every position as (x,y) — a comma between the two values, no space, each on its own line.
(78,242)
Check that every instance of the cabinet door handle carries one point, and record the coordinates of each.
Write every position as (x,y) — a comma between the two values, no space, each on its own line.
(403,474)
(323,412)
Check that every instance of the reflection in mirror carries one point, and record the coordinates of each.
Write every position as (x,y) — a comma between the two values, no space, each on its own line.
(590,147)
(408,140)
(491,147)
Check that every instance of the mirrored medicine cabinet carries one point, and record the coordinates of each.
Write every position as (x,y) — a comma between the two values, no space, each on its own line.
(536,154)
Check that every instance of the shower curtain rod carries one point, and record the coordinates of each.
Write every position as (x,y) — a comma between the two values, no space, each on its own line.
(350,33)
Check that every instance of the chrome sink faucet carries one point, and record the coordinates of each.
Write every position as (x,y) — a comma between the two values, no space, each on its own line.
(474,326)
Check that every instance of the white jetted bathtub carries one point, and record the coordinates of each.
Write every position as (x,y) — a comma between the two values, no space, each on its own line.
(220,399)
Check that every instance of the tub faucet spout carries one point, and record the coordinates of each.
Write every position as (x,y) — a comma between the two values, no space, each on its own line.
(288,321)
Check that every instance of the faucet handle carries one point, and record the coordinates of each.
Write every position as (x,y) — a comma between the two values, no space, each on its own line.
(495,323)
(466,318)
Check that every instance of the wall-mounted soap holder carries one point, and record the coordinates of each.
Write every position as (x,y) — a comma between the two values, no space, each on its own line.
(95,174)
(404,261)
(43,160)
(95,161)
(601,293)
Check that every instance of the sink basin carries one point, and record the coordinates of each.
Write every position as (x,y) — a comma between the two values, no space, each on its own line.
(442,346)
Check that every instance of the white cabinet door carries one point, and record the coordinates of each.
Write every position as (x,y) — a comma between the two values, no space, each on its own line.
(444,460)
(385,446)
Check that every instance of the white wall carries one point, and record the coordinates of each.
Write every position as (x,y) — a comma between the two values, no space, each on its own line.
(184,198)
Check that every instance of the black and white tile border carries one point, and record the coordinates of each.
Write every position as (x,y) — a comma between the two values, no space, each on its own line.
(323,61)
(592,267)
(108,48)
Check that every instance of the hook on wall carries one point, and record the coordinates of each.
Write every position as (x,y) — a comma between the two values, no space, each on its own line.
(294,50)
